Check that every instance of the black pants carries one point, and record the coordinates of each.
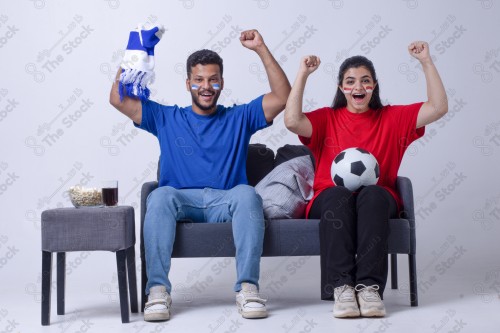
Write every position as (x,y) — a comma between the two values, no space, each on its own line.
(353,236)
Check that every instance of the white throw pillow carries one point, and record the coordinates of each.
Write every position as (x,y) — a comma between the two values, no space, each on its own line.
(287,189)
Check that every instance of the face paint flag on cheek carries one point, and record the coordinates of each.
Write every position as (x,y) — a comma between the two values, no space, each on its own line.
(216,86)
(369,89)
(347,90)
(195,87)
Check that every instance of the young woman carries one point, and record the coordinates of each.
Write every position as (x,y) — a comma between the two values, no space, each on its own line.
(353,226)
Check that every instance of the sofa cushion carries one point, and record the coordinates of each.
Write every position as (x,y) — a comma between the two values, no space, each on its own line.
(260,161)
(286,237)
(283,237)
(286,190)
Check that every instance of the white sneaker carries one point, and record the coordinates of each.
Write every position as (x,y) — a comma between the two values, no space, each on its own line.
(158,305)
(249,303)
(345,302)
(370,303)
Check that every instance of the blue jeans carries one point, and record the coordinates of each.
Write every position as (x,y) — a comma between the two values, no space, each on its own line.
(240,205)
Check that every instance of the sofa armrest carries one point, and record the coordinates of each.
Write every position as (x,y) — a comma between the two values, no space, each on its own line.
(405,190)
(147,188)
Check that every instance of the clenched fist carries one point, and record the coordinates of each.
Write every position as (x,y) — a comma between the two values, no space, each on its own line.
(420,51)
(251,39)
(309,64)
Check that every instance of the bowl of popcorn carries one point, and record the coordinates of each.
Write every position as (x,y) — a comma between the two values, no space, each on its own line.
(85,197)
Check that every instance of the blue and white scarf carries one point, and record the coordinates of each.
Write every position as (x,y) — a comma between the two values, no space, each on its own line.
(138,61)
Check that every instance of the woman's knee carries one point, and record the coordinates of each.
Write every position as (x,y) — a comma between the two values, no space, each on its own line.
(337,191)
(337,198)
(374,195)
(373,192)
(337,208)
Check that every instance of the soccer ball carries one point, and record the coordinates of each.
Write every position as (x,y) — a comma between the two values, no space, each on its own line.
(355,168)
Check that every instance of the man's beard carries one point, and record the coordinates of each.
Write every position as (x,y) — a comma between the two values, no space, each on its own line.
(195,96)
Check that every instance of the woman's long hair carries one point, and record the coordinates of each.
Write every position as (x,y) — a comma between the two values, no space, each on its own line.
(354,62)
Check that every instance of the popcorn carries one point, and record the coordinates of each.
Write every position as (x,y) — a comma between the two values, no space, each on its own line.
(81,196)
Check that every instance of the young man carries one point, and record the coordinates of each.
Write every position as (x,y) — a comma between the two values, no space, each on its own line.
(203,171)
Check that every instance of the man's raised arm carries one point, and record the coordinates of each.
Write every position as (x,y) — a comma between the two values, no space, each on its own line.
(129,106)
(275,101)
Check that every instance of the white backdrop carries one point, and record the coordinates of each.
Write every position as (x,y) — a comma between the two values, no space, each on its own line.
(57,129)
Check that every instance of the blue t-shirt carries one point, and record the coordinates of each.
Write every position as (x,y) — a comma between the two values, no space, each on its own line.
(203,151)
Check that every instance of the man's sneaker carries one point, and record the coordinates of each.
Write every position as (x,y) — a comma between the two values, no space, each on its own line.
(250,304)
(345,302)
(158,305)
(370,303)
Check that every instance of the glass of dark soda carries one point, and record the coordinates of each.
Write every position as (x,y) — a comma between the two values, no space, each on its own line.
(110,193)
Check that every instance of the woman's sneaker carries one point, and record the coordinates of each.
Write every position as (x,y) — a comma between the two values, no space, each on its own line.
(250,304)
(158,306)
(370,303)
(345,302)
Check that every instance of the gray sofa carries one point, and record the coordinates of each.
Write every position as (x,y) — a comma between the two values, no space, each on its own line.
(284,237)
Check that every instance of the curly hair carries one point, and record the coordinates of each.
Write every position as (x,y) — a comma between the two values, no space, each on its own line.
(203,57)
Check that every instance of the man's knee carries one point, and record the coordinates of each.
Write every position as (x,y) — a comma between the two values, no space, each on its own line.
(245,193)
(161,197)
(245,199)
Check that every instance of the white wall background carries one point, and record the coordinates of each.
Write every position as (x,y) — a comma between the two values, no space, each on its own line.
(57,128)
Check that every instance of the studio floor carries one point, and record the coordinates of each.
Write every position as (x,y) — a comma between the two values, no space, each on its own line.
(460,301)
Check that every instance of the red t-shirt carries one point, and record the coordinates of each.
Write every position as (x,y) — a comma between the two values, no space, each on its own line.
(385,133)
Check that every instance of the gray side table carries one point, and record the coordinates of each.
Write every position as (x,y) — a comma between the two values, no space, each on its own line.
(88,229)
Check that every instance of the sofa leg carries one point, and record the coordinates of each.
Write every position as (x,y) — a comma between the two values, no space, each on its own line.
(394,271)
(132,281)
(412,263)
(61,282)
(121,267)
(46,286)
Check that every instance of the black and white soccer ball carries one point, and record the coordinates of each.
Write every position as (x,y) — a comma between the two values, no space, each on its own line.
(355,168)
